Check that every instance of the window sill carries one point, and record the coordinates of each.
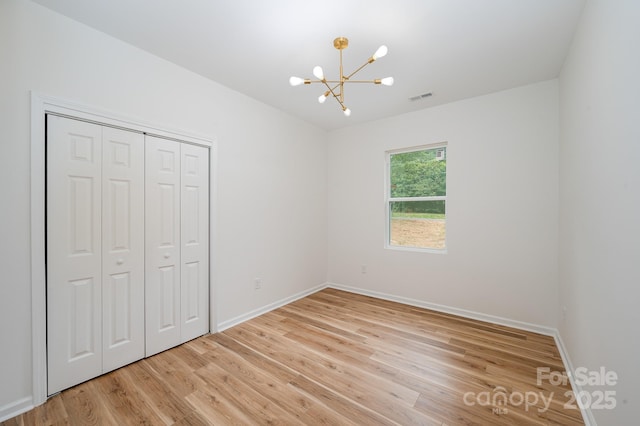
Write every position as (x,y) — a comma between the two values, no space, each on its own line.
(416,249)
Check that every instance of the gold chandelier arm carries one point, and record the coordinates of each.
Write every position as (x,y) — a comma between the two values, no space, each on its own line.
(341,81)
(320,81)
(375,81)
(361,66)
(334,94)
(336,86)
(337,82)
(338,98)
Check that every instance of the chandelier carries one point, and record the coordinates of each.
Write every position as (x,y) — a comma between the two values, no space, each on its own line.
(335,88)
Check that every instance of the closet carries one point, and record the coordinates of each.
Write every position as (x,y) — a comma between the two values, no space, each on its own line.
(127,247)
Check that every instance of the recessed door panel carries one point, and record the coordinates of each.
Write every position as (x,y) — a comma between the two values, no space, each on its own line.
(81,325)
(192,291)
(191,222)
(120,150)
(119,310)
(82,216)
(119,212)
(168,199)
(82,146)
(169,285)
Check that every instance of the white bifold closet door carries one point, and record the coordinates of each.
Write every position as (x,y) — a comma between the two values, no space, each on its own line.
(123,280)
(177,243)
(95,250)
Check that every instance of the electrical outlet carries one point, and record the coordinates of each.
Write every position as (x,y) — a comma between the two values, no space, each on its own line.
(564,313)
(257,283)
(363,269)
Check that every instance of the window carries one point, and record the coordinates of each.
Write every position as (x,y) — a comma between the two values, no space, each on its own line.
(416,197)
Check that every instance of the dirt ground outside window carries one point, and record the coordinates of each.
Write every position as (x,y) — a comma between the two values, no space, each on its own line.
(425,233)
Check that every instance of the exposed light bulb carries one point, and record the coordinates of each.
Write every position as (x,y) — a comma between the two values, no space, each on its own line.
(323,97)
(296,81)
(387,81)
(382,51)
(317,71)
(347,111)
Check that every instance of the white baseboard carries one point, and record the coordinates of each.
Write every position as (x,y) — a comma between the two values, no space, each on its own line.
(270,307)
(540,329)
(16,408)
(587,414)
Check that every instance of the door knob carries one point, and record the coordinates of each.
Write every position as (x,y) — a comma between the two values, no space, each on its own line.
(167,255)
(120,261)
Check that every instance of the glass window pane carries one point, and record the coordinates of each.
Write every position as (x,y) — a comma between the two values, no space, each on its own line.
(419,173)
(417,224)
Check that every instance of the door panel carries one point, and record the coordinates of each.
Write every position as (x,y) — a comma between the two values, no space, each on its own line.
(195,241)
(168,198)
(167,303)
(74,193)
(81,323)
(123,278)
(162,227)
(191,294)
(118,327)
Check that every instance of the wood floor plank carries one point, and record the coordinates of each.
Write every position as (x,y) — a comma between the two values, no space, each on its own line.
(53,413)
(126,404)
(274,387)
(193,419)
(258,408)
(217,409)
(353,413)
(85,405)
(331,372)
(327,359)
(166,404)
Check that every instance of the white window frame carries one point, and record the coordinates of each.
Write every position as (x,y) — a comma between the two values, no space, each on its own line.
(388,199)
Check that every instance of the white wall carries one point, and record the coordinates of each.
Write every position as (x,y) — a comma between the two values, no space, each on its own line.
(274,173)
(271,211)
(600,200)
(502,207)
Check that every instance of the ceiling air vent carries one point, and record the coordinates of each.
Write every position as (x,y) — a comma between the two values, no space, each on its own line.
(419,97)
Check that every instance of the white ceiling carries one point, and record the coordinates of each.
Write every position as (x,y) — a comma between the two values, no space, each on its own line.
(455,49)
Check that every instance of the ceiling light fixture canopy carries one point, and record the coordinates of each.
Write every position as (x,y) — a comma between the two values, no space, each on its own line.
(337,91)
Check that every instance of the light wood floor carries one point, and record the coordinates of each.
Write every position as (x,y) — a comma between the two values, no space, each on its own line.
(331,358)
